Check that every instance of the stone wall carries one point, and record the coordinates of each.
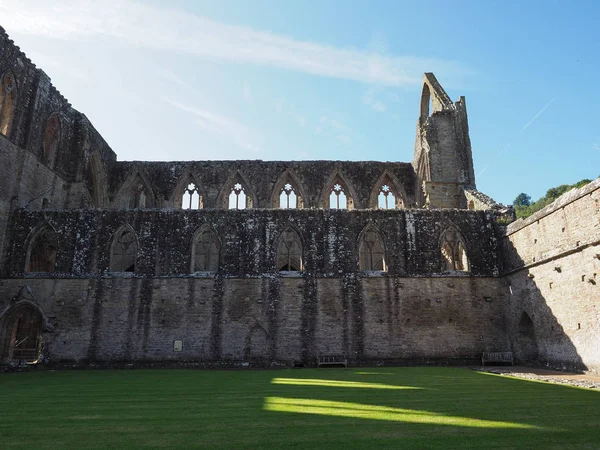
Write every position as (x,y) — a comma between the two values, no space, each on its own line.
(265,319)
(552,265)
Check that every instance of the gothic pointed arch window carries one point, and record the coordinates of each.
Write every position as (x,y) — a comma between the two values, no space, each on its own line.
(8,101)
(51,139)
(288,199)
(238,198)
(23,338)
(191,198)
(205,251)
(453,251)
(288,193)
(371,251)
(139,197)
(41,252)
(289,251)
(123,250)
(386,198)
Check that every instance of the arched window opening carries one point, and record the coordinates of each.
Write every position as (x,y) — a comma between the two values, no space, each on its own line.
(51,139)
(191,198)
(238,198)
(454,254)
(371,251)
(139,197)
(24,335)
(386,198)
(123,251)
(41,254)
(289,251)
(471,204)
(426,106)
(288,198)
(337,197)
(8,101)
(205,251)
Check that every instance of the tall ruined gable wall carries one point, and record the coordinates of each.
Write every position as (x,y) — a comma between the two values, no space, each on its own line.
(552,265)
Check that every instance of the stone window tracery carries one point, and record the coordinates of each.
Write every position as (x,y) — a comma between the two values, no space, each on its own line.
(191,198)
(8,100)
(337,197)
(386,198)
(41,254)
(289,251)
(238,198)
(138,195)
(51,139)
(371,251)
(454,254)
(124,250)
(205,251)
(288,199)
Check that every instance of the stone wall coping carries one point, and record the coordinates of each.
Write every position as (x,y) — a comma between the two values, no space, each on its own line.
(559,203)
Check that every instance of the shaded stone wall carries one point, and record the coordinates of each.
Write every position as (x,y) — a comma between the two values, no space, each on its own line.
(248,310)
(411,238)
(552,266)
(266,319)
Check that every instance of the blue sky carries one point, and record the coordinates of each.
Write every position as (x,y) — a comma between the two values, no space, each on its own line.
(233,79)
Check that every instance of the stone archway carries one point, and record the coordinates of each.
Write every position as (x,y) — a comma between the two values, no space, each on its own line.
(23,335)
(527,344)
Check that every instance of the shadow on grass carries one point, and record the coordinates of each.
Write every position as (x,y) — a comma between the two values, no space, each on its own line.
(313,408)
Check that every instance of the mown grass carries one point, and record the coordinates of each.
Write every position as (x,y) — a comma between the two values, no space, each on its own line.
(426,408)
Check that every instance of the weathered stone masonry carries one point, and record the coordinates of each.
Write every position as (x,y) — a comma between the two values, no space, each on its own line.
(106,261)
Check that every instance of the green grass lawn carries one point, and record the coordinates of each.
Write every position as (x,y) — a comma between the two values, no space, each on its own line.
(420,407)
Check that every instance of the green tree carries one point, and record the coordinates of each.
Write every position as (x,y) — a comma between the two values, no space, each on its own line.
(522,200)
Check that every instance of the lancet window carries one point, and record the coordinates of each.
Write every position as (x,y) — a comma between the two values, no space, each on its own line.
(191,198)
(338,198)
(454,254)
(289,251)
(124,250)
(238,198)
(8,101)
(205,251)
(288,199)
(51,138)
(371,251)
(41,254)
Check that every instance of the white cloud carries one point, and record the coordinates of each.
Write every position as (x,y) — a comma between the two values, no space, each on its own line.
(225,127)
(596,147)
(146,26)
(334,128)
(372,102)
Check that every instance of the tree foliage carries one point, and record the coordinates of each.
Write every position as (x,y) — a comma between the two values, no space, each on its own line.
(524,207)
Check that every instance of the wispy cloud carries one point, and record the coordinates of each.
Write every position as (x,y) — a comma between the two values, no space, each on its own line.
(227,128)
(146,26)
(334,128)
(370,99)
(541,111)
(596,147)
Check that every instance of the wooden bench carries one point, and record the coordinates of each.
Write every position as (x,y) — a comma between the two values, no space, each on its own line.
(497,357)
(332,360)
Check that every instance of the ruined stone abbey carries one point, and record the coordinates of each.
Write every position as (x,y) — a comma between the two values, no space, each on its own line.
(277,262)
